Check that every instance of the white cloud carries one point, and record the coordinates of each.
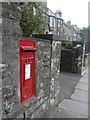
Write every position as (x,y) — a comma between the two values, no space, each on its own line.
(74,10)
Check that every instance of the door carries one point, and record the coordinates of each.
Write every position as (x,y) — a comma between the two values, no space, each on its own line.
(27,76)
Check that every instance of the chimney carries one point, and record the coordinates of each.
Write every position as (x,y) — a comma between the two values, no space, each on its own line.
(69,23)
(44,4)
(59,12)
(75,26)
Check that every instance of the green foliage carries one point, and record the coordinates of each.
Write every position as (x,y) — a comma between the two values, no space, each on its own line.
(32,19)
(89,35)
(85,34)
(69,45)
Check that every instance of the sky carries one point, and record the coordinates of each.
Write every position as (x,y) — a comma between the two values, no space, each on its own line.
(74,10)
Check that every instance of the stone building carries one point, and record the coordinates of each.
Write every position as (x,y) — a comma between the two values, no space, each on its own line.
(70,32)
(55,25)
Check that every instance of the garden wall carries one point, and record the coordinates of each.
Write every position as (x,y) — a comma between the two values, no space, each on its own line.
(47,70)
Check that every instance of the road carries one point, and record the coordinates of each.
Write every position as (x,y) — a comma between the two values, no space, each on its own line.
(74,96)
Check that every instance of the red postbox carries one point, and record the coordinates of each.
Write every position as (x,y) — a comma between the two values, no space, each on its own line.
(27,69)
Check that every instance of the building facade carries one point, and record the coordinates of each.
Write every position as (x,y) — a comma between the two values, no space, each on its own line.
(55,25)
(70,32)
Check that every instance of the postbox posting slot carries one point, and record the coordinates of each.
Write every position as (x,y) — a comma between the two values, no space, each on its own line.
(27,49)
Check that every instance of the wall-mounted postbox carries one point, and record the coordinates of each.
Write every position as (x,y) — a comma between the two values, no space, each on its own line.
(27,69)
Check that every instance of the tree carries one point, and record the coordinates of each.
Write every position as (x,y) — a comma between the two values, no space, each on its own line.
(85,34)
(89,35)
(32,19)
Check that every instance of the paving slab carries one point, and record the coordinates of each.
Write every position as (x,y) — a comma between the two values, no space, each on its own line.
(0,115)
(70,76)
(84,80)
(79,108)
(67,84)
(82,86)
(86,71)
(80,95)
(66,114)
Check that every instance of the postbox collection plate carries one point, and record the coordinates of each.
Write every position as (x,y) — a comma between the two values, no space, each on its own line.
(27,70)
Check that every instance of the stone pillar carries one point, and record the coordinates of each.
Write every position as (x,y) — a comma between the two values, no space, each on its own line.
(11,32)
(55,71)
(1,60)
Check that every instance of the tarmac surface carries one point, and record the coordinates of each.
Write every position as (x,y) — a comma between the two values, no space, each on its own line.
(75,90)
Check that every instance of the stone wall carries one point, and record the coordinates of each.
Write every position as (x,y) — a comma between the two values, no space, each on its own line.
(71,60)
(0,61)
(55,70)
(11,32)
(47,70)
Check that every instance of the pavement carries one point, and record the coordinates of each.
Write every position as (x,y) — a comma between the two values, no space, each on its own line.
(0,93)
(75,104)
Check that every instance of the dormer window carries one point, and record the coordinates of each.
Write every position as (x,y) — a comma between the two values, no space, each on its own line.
(59,23)
(34,11)
(51,21)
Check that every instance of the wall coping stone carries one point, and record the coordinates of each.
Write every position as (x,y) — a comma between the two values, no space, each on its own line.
(48,36)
